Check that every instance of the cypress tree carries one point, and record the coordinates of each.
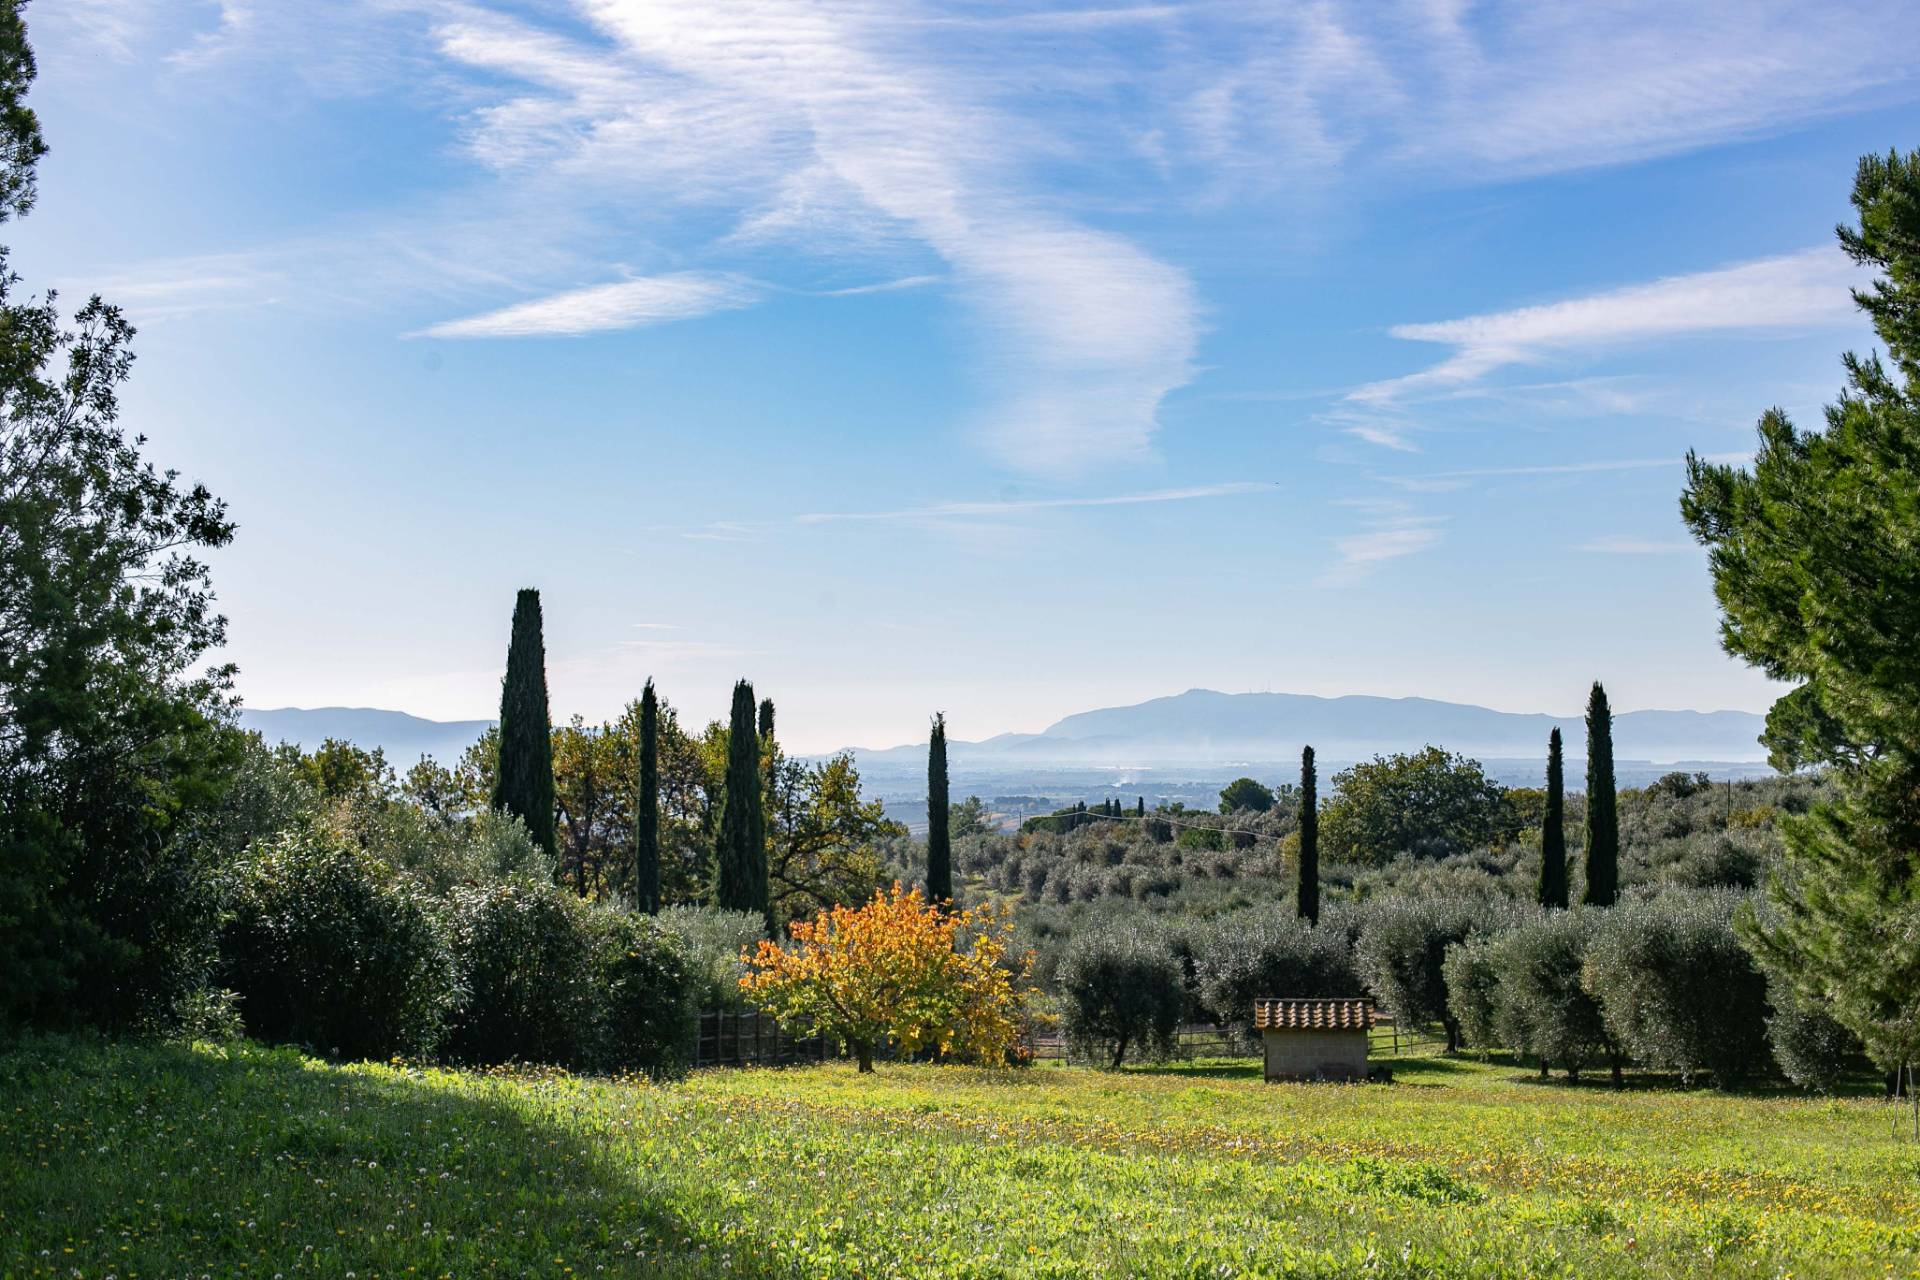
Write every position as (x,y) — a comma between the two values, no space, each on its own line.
(939,833)
(524,782)
(1553,829)
(766,719)
(740,851)
(1140,807)
(1603,813)
(1309,891)
(646,851)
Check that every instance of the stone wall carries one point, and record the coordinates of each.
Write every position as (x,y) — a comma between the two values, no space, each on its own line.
(1294,1055)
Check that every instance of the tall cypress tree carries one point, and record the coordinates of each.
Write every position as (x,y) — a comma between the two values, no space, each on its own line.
(939,832)
(766,719)
(1309,891)
(524,782)
(646,847)
(740,851)
(1553,829)
(1603,812)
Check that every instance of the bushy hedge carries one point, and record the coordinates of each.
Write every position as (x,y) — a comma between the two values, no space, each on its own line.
(1121,988)
(526,971)
(328,949)
(1269,951)
(1677,989)
(546,977)
(648,1007)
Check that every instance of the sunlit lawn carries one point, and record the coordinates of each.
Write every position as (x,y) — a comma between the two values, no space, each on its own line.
(245,1161)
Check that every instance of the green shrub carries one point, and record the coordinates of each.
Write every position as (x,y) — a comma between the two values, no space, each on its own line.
(546,977)
(1269,952)
(1540,1005)
(1812,1049)
(1472,991)
(1677,989)
(648,1011)
(711,941)
(1401,954)
(526,963)
(1201,839)
(328,949)
(1121,988)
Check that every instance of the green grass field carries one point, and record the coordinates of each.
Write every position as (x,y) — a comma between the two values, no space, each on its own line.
(150,1161)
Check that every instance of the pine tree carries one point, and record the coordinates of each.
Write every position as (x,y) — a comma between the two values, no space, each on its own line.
(1309,891)
(646,851)
(524,783)
(1811,547)
(1553,829)
(740,851)
(1603,812)
(939,833)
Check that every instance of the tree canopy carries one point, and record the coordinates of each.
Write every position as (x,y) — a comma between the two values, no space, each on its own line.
(111,741)
(1430,804)
(1245,793)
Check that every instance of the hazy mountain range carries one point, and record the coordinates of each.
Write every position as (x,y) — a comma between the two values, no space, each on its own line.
(403,737)
(1197,728)
(1202,727)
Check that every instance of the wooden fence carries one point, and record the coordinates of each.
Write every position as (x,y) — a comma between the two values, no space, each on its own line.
(1204,1040)
(729,1039)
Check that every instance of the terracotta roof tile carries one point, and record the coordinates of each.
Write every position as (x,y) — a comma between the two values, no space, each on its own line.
(1340,1013)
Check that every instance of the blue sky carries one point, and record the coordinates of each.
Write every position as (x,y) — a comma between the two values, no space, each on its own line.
(997,359)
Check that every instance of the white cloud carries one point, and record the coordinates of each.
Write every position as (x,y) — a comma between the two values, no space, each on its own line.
(1013,506)
(624,305)
(1430,92)
(1621,544)
(1788,292)
(935,133)
(817,122)
(884,286)
(1394,529)
(723,531)
(1360,553)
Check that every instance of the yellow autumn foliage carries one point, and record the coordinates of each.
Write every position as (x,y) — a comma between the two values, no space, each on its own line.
(899,969)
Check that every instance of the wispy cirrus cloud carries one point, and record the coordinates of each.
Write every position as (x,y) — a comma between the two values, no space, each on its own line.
(884,286)
(1442,480)
(1015,506)
(723,531)
(1622,544)
(1436,90)
(797,115)
(625,304)
(932,136)
(1393,528)
(1791,291)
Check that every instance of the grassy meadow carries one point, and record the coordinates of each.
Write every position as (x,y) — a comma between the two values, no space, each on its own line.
(130,1161)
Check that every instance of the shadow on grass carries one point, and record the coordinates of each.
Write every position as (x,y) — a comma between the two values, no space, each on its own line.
(167,1160)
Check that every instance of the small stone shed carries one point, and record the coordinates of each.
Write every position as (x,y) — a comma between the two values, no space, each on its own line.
(1315,1039)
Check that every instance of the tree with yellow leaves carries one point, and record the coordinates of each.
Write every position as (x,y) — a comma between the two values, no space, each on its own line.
(898,968)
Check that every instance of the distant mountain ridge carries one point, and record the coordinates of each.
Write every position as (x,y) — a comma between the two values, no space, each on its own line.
(1200,727)
(402,737)
(1203,726)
